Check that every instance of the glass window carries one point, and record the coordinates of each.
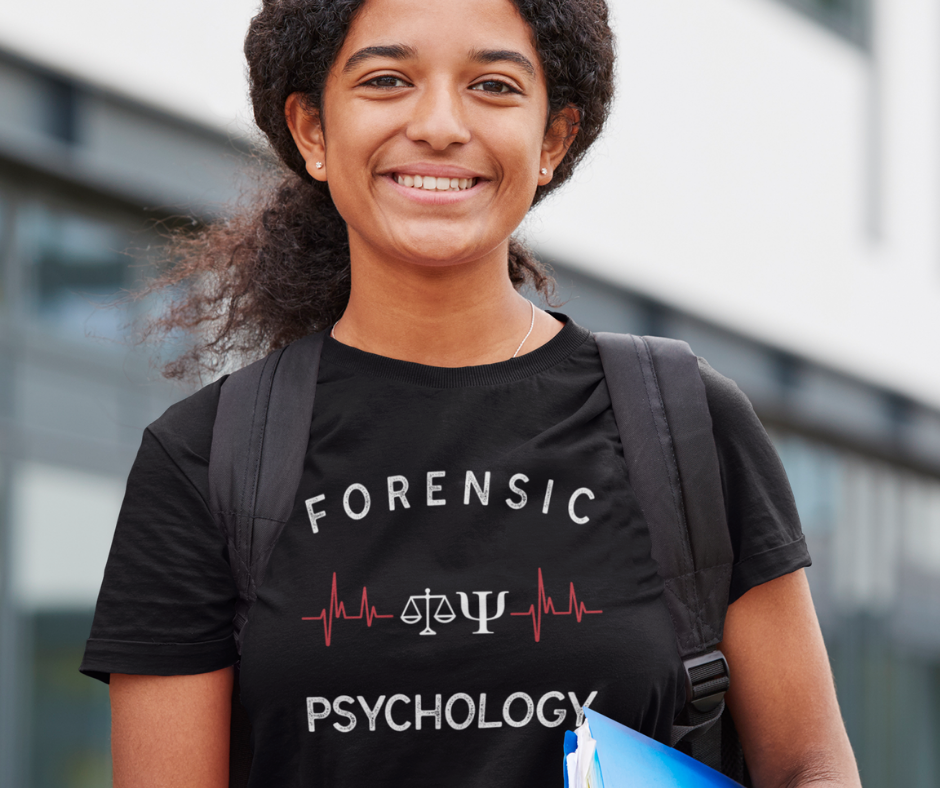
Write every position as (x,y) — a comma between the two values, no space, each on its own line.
(872,528)
(77,266)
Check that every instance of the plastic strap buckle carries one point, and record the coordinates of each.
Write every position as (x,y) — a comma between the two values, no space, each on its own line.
(706,680)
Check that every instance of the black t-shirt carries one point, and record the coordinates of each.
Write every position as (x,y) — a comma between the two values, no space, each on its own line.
(465,568)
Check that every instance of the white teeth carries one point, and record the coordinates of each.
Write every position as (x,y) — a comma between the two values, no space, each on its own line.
(430,183)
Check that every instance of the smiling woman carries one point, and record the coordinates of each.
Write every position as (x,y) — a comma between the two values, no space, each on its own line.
(281,269)
(449,98)
(463,474)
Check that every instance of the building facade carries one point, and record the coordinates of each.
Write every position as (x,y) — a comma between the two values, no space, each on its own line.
(89,183)
(766,192)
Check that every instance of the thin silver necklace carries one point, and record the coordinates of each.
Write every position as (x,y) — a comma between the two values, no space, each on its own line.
(527,335)
(529,332)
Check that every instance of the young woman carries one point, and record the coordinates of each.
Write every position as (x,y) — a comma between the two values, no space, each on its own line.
(463,461)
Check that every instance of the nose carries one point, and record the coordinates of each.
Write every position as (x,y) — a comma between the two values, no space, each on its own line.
(439,118)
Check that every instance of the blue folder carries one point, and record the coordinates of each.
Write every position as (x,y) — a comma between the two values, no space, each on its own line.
(631,760)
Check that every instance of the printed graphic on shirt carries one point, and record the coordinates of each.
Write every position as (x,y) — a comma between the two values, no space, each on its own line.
(460,711)
(337,610)
(427,609)
(357,501)
(431,608)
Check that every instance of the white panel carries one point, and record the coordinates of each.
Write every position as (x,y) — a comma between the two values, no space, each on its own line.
(63,521)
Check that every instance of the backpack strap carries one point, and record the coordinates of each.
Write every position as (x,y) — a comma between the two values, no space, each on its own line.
(658,399)
(260,437)
(259,440)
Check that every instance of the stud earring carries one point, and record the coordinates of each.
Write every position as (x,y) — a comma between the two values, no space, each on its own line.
(319,165)
(544,171)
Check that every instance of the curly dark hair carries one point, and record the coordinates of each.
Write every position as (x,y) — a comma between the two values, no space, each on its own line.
(280,269)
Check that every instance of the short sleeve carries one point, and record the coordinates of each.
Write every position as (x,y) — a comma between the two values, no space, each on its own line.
(168,598)
(765,527)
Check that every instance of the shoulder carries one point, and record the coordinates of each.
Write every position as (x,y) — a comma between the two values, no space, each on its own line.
(762,516)
(167,599)
(736,427)
(740,438)
(726,402)
(188,423)
(178,443)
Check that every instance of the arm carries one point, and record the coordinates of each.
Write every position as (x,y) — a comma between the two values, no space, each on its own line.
(782,696)
(171,731)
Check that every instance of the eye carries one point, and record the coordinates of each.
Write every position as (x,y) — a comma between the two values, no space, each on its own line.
(386,81)
(494,86)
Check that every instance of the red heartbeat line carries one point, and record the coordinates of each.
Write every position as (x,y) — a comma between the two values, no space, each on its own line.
(338,610)
(545,605)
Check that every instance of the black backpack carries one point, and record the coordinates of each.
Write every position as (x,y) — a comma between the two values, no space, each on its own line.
(260,439)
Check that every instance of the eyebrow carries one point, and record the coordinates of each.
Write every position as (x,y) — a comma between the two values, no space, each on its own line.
(392,51)
(403,52)
(503,56)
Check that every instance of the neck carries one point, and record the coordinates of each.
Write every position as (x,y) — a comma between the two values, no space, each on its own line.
(445,316)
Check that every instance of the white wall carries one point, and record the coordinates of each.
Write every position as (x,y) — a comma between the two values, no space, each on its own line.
(742,174)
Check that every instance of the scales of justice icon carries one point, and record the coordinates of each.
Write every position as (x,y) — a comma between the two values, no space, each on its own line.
(443,613)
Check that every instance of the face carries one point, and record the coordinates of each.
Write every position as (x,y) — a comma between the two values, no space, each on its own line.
(446,94)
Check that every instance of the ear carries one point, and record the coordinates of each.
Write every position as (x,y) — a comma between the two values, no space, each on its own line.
(307,131)
(558,138)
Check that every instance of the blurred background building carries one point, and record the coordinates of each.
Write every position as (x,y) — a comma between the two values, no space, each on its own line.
(89,182)
(768,189)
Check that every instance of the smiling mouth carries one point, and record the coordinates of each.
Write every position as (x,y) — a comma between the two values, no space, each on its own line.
(431,184)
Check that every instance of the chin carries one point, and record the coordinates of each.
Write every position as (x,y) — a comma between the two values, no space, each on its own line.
(437,253)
